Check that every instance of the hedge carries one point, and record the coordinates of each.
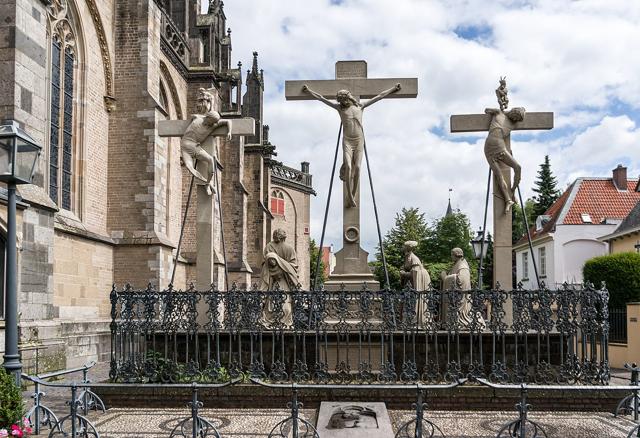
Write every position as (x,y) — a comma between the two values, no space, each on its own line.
(620,272)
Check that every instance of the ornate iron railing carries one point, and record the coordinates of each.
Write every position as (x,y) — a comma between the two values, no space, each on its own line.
(357,337)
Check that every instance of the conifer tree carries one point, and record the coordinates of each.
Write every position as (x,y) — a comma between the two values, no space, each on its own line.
(546,187)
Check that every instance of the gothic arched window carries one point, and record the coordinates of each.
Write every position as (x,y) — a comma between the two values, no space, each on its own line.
(61,128)
(277,202)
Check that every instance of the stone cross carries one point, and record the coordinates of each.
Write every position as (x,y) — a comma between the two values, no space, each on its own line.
(351,267)
(207,228)
(502,226)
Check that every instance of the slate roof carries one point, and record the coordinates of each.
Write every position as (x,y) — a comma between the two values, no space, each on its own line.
(597,197)
(630,224)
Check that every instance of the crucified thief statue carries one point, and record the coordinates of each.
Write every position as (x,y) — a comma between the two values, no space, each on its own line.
(497,146)
(200,127)
(350,111)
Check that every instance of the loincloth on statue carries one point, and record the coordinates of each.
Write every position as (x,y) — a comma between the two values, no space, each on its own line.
(495,146)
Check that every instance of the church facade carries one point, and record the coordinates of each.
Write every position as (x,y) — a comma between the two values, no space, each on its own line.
(90,80)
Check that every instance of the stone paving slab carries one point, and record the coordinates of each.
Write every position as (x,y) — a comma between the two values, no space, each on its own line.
(251,423)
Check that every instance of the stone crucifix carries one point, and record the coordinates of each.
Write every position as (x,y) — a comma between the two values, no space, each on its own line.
(349,86)
(499,122)
(198,143)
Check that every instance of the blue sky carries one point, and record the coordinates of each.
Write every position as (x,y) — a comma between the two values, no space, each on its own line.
(575,58)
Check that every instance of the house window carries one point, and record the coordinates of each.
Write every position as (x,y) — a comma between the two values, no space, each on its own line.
(525,265)
(277,202)
(62,109)
(542,258)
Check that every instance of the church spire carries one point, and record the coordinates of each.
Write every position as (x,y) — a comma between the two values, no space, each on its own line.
(255,74)
(449,209)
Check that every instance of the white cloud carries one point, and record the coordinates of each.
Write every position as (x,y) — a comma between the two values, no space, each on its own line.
(573,58)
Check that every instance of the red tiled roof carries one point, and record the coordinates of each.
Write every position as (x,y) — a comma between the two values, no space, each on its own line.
(597,197)
(600,199)
(554,212)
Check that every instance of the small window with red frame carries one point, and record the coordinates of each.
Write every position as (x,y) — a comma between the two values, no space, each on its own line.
(277,202)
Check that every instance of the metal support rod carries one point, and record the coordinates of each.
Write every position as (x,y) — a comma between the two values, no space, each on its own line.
(184,221)
(526,225)
(419,413)
(294,413)
(36,396)
(74,412)
(326,210)
(484,231)
(375,211)
(11,354)
(194,411)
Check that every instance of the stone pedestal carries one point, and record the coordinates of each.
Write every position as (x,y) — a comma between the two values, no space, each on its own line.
(352,267)
(502,226)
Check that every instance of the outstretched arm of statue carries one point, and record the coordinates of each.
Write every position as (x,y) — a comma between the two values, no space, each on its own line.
(228,123)
(491,111)
(382,95)
(319,96)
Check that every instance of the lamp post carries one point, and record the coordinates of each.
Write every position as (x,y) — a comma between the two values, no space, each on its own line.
(479,245)
(18,157)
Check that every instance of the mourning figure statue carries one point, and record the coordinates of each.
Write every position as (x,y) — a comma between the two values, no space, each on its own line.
(413,274)
(350,111)
(459,278)
(201,125)
(497,146)
(279,272)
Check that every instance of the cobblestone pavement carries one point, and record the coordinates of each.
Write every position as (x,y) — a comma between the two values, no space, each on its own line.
(250,423)
(246,423)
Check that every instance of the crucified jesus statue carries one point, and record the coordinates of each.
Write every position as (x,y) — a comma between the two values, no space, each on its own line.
(200,127)
(350,111)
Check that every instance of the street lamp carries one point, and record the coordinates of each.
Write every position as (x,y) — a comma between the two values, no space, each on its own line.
(479,245)
(18,157)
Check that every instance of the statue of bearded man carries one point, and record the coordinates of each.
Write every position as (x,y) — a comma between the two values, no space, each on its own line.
(280,263)
(279,271)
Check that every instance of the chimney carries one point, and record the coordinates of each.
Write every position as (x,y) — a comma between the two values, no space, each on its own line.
(620,177)
(304,167)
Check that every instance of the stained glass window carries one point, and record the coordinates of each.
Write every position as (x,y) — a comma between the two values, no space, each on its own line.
(61,128)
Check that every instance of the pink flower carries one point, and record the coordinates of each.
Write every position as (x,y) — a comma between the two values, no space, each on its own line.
(4,433)
(26,422)
(16,431)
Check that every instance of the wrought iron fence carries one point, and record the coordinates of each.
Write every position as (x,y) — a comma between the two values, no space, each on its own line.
(360,337)
(618,325)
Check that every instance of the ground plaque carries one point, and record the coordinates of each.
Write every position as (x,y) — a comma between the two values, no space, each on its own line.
(354,420)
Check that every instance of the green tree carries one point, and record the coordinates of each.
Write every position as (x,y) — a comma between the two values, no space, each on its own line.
(435,243)
(410,224)
(11,404)
(546,187)
(452,231)
(518,228)
(314,253)
(621,274)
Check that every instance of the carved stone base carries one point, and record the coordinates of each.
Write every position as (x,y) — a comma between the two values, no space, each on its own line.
(352,270)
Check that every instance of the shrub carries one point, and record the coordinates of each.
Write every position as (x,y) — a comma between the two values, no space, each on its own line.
(11,404)
(620,272)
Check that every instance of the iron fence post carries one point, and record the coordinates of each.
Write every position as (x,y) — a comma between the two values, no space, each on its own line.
(37,411)
(74,393)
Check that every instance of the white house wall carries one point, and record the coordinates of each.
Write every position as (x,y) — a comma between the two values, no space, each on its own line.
(577,244)
(571,247)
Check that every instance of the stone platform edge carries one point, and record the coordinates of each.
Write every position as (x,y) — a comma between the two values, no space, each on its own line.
(467,398)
